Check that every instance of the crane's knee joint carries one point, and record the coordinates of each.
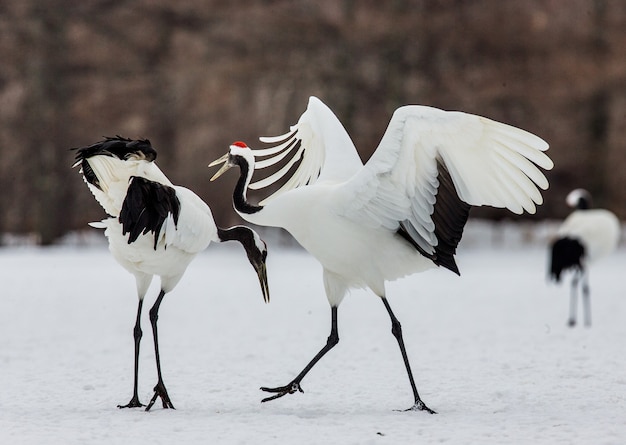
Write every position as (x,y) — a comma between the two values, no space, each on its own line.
(333,339)
(396,328)
(154,316)
(137,332)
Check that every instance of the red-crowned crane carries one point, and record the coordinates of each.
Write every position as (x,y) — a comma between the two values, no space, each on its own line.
(585,236)
(402,212)
(155,228)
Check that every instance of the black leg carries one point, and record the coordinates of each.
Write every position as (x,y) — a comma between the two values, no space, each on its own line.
(586,300)
(137,334)
(294,385)
(159,389)
(573,300)
(396,330)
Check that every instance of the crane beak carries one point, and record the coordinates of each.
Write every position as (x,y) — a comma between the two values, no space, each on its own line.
(227,165)
(261,271)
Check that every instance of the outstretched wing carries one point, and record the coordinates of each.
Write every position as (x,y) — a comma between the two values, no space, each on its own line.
(432,165)
(318,142)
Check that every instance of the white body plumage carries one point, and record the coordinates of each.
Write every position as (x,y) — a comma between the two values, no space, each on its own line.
(597,229)
(177,244)
(353,254)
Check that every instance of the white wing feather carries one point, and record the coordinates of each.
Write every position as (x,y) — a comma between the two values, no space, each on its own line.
(114,175)
(490,163)
(196,227)
(325,151)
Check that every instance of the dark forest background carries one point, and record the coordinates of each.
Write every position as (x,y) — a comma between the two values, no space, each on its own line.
(193,76)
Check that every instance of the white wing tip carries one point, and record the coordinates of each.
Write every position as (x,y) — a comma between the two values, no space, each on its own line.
(549,165)
(274,139)
(532,209)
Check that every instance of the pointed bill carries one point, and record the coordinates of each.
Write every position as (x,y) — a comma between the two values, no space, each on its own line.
(224,167)
(262,274)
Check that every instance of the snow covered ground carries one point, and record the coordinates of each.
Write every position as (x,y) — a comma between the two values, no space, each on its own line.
(490,351)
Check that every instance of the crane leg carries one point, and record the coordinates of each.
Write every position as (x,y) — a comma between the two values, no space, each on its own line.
(396,330)
(159,389)
(294,385)
(586,300)
(573,300)
(137,334)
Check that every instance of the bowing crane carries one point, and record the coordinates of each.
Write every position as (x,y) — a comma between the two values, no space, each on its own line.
(154,228)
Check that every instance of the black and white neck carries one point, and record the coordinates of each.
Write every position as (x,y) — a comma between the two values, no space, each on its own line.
(256,251)
(248,238)
(245,161)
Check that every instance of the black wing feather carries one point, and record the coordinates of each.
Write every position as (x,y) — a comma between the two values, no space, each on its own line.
(118,147)
(146,207)
(450,214)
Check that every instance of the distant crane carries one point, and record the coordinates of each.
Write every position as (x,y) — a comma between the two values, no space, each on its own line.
(585,236)
(155,228)
(403,212)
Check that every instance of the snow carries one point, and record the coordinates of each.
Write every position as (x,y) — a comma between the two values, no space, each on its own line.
(490,351)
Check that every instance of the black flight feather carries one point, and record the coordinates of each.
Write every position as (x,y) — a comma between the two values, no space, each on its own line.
(450,214)
(118,147)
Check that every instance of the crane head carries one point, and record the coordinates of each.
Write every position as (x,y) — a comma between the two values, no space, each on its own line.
(238,152)
(579,199)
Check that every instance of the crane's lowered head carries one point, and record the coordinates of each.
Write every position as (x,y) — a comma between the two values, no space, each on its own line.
(255,248)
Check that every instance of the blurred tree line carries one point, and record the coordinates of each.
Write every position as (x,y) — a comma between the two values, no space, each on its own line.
(194,75)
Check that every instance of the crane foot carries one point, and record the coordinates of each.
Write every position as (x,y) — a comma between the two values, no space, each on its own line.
(160,391)
(282,390)
(134,403)
(420,406)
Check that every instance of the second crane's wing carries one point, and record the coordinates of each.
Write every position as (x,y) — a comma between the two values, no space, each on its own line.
(432,165)
(318,144)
